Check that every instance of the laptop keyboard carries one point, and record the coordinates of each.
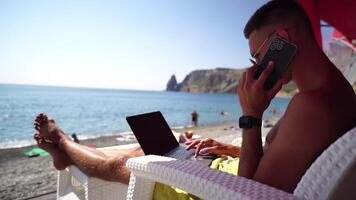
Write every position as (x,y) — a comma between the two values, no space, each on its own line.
(182,154)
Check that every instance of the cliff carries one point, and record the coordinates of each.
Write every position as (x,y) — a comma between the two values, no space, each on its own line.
(172,84)
(219,80)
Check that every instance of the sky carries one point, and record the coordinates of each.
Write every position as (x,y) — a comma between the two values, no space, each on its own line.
(124,44)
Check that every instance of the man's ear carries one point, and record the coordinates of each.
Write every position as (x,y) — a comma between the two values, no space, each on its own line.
(283,33)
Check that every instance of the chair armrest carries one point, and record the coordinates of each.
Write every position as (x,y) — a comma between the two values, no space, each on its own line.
(196,179)
(73,184)
(333,173)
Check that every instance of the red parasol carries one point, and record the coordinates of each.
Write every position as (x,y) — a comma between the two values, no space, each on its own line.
(341,14)
(339,36)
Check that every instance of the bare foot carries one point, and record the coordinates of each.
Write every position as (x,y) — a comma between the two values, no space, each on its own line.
(60,159)
(48,129)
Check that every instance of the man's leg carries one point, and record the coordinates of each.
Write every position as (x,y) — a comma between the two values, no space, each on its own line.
(91,161)
(60,159)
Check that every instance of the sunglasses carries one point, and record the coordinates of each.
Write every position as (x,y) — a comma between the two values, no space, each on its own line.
(254,60)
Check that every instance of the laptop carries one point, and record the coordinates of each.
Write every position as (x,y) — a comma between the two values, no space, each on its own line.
(155,137)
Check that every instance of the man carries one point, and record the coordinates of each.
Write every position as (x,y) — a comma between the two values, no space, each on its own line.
(323,110)
(194,115)
(320,113)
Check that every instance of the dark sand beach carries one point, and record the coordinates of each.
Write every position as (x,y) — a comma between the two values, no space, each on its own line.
(22,177)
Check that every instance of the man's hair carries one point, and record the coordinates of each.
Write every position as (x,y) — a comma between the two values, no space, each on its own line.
(277,12)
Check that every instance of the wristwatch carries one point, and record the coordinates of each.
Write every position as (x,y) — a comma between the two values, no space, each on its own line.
(249,122)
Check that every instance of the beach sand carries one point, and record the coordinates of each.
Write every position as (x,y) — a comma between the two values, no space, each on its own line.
(22,177)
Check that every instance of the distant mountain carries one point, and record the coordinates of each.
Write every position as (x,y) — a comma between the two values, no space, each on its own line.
(219,80)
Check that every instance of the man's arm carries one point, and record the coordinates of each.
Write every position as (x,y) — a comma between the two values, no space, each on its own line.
(254,100)
(251,152)
(247,166)
(302,134)
(207,146)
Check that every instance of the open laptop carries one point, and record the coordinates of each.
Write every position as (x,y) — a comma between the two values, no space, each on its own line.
(155,137)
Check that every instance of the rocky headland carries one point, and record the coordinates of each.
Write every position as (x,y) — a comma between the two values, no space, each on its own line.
(219,80)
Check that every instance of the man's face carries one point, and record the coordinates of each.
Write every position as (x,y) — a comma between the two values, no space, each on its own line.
(259,42)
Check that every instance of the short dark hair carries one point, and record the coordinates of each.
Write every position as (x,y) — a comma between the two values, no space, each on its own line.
(277,11)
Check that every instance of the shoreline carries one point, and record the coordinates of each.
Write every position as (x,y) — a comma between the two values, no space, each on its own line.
(23,177)
(88,137)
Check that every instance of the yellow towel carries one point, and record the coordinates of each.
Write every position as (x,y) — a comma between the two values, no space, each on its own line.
(225,164)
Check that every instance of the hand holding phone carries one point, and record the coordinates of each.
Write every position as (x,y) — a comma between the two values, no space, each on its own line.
(281,52)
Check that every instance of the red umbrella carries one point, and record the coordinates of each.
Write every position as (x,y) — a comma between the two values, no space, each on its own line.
(339,36)
(341,14)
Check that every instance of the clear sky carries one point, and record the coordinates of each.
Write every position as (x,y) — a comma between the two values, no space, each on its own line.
(127,44)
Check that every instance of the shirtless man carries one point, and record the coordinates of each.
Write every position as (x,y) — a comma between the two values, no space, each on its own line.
(321,112)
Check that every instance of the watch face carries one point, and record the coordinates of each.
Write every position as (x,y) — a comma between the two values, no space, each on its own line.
(245,122)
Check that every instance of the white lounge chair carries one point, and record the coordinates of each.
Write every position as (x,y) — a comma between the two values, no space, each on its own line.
(331,176)
(73,184)
(325,179)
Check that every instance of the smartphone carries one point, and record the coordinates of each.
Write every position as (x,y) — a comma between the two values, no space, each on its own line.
(281,52)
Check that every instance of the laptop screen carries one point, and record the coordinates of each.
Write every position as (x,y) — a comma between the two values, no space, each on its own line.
(152,133)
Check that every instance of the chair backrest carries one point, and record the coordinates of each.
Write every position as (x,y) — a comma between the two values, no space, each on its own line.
(333,174)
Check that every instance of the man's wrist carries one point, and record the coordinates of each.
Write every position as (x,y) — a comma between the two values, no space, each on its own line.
(247,122)
(256,115)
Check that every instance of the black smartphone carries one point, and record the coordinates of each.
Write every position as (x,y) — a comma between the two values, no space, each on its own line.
(281,52)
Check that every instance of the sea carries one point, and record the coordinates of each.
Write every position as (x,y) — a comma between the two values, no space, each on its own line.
(92,112)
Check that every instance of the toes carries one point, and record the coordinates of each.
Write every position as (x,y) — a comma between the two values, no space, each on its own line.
(45,117)
(41,118)
(38,138)
(37,120)
(51,120)
(41,140)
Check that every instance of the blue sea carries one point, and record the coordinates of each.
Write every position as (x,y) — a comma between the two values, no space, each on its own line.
(96,112)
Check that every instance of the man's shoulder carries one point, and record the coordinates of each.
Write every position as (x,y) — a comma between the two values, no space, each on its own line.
(308,115)
(310,102)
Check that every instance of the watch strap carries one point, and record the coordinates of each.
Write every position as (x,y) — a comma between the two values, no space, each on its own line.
(249,121)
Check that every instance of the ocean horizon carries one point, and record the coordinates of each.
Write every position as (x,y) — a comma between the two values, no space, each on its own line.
(94,112)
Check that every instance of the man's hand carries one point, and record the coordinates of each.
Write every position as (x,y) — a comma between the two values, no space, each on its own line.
(254,100)
(207,146)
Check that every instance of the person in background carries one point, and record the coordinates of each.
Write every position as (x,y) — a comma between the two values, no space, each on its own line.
(194,115)
(75,138)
